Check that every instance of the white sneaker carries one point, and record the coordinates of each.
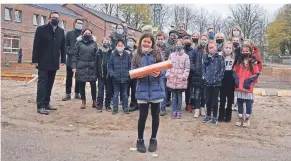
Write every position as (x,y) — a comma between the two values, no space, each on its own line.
(196,113)
(247,122)
(234,107)
(202,111)
(239,122)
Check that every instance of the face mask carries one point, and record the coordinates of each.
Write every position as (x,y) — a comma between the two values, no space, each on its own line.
(203,43)
(211,35)
(179,48)
(195,40)
(219,41)
(119,31)
(130,44)
(160,42)
(107,45)
(235,33)
(87,37)
(119,49)
(78,26)
(187,44)
(212,51)
(235,44)
(227,51)
(145,49)
(54,21)
(245,55)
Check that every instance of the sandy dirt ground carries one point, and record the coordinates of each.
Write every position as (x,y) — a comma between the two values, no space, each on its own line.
(72,134)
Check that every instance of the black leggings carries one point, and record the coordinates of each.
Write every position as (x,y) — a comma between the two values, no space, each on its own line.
(93,90)
(143,114)
(212,100)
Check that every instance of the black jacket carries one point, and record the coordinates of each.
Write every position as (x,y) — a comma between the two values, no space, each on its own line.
(71,38)
(119,66)
(196,68)
(102,65)
(84,59)
(48,46)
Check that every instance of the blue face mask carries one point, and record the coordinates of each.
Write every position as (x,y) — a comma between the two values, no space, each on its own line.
(78,26)
(211,35)
(120,49)
(130,44)
(179,48)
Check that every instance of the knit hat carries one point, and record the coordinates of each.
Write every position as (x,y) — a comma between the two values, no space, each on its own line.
(173,31)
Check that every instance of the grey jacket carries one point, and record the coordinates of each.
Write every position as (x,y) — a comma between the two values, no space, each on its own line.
(71,38)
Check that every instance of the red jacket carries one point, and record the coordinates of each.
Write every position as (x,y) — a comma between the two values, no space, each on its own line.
(257,54)
(244,73)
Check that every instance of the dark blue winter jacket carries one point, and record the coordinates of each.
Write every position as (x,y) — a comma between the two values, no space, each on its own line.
(149,88)
(213,70)
(119,66)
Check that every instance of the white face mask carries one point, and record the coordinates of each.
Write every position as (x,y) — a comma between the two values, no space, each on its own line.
(227,51)
(235,33)
(119,31)
(145,49)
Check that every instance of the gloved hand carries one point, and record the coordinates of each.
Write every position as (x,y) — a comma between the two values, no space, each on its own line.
(247,84)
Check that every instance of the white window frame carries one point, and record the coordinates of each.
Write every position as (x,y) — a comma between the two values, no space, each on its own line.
(62,24)
(35,22)
(20,15)
(10,37)
(42,20)
(9,16)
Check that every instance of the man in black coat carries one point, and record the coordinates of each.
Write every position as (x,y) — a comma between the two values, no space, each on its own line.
(48,46)
(71,38)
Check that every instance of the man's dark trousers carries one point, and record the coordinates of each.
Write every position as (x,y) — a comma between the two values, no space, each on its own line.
(44,87)
(69,82)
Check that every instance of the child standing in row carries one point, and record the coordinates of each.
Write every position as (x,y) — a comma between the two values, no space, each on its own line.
(246,73)
(177,77)
(212,70)
(227,86)
(118,69)
(149,90)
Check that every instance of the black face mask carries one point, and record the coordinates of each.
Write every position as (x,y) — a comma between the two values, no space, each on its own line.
(187,44)
(219,41)
(87,37)
(245,55)
(195,40)
(54,21)
(235,44)
(106,46)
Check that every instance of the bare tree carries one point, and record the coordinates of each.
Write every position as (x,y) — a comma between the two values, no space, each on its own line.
(110,9)
(202,21)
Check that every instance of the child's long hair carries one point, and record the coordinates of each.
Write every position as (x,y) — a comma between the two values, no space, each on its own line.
(228,43)
(137,56)
(250,62)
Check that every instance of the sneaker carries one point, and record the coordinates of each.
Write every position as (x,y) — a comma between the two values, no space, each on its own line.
(239,122)
(206,119)
(140,146)
(169,104)
(77,96)
(163,112)
(202,111)
(108,109)
(234,107)
(114,111)
(213,121)
(247,122)
(99,108)
(174,114)
(179,115)
(126,111)
(67,97)
(153,145)
(196,113)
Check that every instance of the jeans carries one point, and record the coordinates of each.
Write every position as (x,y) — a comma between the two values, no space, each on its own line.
(212,100)
(196,96)
(122,88)
(177,101)
(202,97)
(83,91)
(249,106)
(44,87)
(69,80)
(165,100)
(143,114)
(131,89)
(104,84)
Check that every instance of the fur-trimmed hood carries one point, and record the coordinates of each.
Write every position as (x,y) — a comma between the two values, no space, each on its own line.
(80,38)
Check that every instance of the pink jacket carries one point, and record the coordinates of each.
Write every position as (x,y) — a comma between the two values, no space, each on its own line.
(177,76)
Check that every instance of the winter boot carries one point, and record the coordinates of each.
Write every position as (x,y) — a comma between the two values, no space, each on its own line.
(174,114)
(247,122)
(83,106)
(179,115)
(153,145)
(228,114)
(189,108)
(77,96)
(140,146)
(94,104)
(67,97)
(239,122)
(196,113)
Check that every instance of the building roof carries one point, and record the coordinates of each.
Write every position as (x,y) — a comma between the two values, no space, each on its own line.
(55,7)
(105,16)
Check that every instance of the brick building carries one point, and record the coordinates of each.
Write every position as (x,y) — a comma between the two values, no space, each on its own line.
(19,22)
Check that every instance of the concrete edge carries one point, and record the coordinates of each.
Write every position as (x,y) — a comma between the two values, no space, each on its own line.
(272,92)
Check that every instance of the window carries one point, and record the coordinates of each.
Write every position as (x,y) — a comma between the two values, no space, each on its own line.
(18,16)
(62,24)
(7,14)
(11,44)
(35,19)
(42,20)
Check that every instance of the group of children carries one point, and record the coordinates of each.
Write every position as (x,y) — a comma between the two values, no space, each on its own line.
(205,67)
